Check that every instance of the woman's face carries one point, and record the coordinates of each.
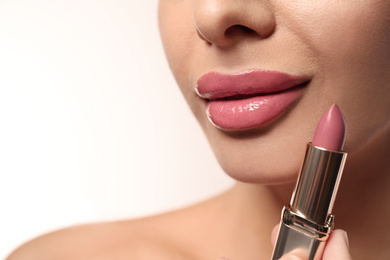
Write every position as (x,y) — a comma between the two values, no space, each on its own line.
(339,49)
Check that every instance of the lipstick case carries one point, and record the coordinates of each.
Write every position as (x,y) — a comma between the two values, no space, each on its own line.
(307,222)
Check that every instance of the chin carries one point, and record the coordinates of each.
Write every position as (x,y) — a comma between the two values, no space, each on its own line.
(276,170)
(268,155)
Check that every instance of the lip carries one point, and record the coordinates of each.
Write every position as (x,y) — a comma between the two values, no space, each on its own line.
(248,99)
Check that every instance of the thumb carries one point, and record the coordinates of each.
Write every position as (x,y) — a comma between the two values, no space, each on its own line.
(337,247)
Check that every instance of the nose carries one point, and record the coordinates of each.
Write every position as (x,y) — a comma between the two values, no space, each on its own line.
(225,22)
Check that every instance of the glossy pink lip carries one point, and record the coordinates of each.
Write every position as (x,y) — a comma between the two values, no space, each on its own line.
(248,99)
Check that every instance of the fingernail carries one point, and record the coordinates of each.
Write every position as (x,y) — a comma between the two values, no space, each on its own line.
(290,257)
(346,239)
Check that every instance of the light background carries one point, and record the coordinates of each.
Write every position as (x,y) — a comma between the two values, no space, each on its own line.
(92,124)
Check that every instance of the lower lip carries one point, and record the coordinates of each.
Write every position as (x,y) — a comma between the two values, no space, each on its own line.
(249,113)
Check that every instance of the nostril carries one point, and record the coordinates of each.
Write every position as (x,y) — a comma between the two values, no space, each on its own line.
(244,28)
(237,29)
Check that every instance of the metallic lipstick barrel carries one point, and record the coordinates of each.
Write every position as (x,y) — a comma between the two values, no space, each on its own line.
(307,222)
(318,182)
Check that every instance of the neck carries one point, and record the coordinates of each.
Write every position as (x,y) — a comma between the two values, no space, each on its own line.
(361,206)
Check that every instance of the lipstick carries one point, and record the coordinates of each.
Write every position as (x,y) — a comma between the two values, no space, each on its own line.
(307,221)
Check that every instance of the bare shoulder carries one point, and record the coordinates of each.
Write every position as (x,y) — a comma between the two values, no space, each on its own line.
(136,239)
(158,237)
(176,235)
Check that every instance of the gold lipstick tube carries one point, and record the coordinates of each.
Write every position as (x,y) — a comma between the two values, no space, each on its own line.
(307,222)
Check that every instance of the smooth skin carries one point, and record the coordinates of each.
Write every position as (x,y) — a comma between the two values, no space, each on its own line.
(344,47)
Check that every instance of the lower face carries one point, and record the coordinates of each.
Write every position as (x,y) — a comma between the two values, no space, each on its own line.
(341,46)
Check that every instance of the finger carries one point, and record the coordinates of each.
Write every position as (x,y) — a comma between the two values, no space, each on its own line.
(337,247)
(274,234)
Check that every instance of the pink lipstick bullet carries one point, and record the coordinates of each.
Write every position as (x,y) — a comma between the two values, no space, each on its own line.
(331,130)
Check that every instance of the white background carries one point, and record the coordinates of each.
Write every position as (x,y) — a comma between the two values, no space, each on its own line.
(92,124)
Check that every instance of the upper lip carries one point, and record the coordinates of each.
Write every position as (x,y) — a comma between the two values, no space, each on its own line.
(215,85)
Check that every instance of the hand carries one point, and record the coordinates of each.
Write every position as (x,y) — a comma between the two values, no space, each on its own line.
(337,247)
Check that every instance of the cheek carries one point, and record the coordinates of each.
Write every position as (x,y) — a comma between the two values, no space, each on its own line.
(342,32)
(180,42)
(177,34)
(351,41)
